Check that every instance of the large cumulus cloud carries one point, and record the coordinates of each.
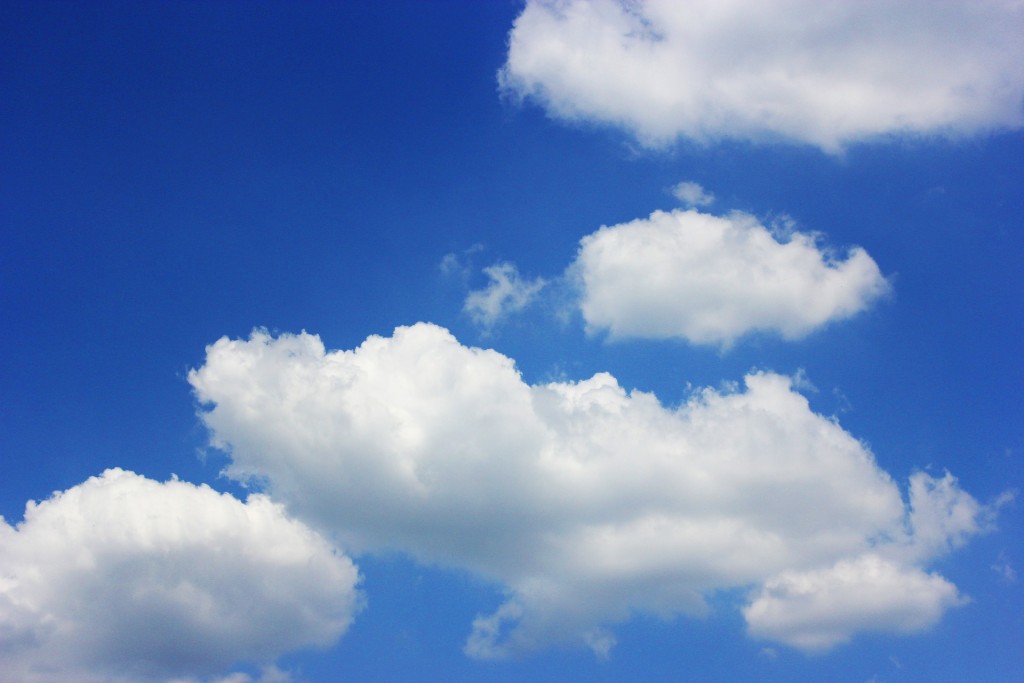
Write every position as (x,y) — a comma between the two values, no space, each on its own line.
(585,501)
(122,578)
(824,73)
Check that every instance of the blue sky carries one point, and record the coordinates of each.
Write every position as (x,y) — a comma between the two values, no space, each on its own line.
(750,279)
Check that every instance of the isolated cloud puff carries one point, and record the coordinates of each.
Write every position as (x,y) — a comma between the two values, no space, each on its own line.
(586,502)
(122,578)
(711,279)
(507,292)
(823,73)
(692,194)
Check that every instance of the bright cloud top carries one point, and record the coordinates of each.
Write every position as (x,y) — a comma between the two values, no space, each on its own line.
(711,279)
(823,73)
(507,292)
(586,502)
(122,578)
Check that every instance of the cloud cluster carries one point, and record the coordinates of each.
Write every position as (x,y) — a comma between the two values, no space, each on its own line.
(122,578)
(586,502)
(823,73)
(711,279)
(698,277)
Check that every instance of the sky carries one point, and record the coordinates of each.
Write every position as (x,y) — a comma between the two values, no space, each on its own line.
(545,340)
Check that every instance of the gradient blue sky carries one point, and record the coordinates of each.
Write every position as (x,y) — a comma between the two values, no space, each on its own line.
(173,173)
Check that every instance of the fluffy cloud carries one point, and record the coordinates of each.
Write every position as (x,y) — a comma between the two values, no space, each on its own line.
(711,279)
(817,609)
(122,578)
(588,503)
(507,292)
(824,73)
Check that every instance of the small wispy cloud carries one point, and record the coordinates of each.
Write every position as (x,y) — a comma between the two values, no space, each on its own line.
(459,265)
(506,293)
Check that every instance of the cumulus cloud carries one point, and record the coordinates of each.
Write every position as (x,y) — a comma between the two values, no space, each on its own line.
(586,502)
(711,279)
(823,73)
(122,578)
(815,610)
(507,292)
(692,194)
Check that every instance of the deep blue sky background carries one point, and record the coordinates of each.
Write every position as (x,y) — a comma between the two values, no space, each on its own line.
(174,172)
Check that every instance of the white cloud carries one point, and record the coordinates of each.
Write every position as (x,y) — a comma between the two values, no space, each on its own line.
(507,292)
(818,609)
(711,279)
(692,194)
(586,502)
(823,73)
(122,578)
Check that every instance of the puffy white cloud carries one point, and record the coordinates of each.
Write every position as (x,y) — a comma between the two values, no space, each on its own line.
(711,279)
(507,292)
(824,73)
(588,503)
(122,578)
(815,610)
(692,194)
